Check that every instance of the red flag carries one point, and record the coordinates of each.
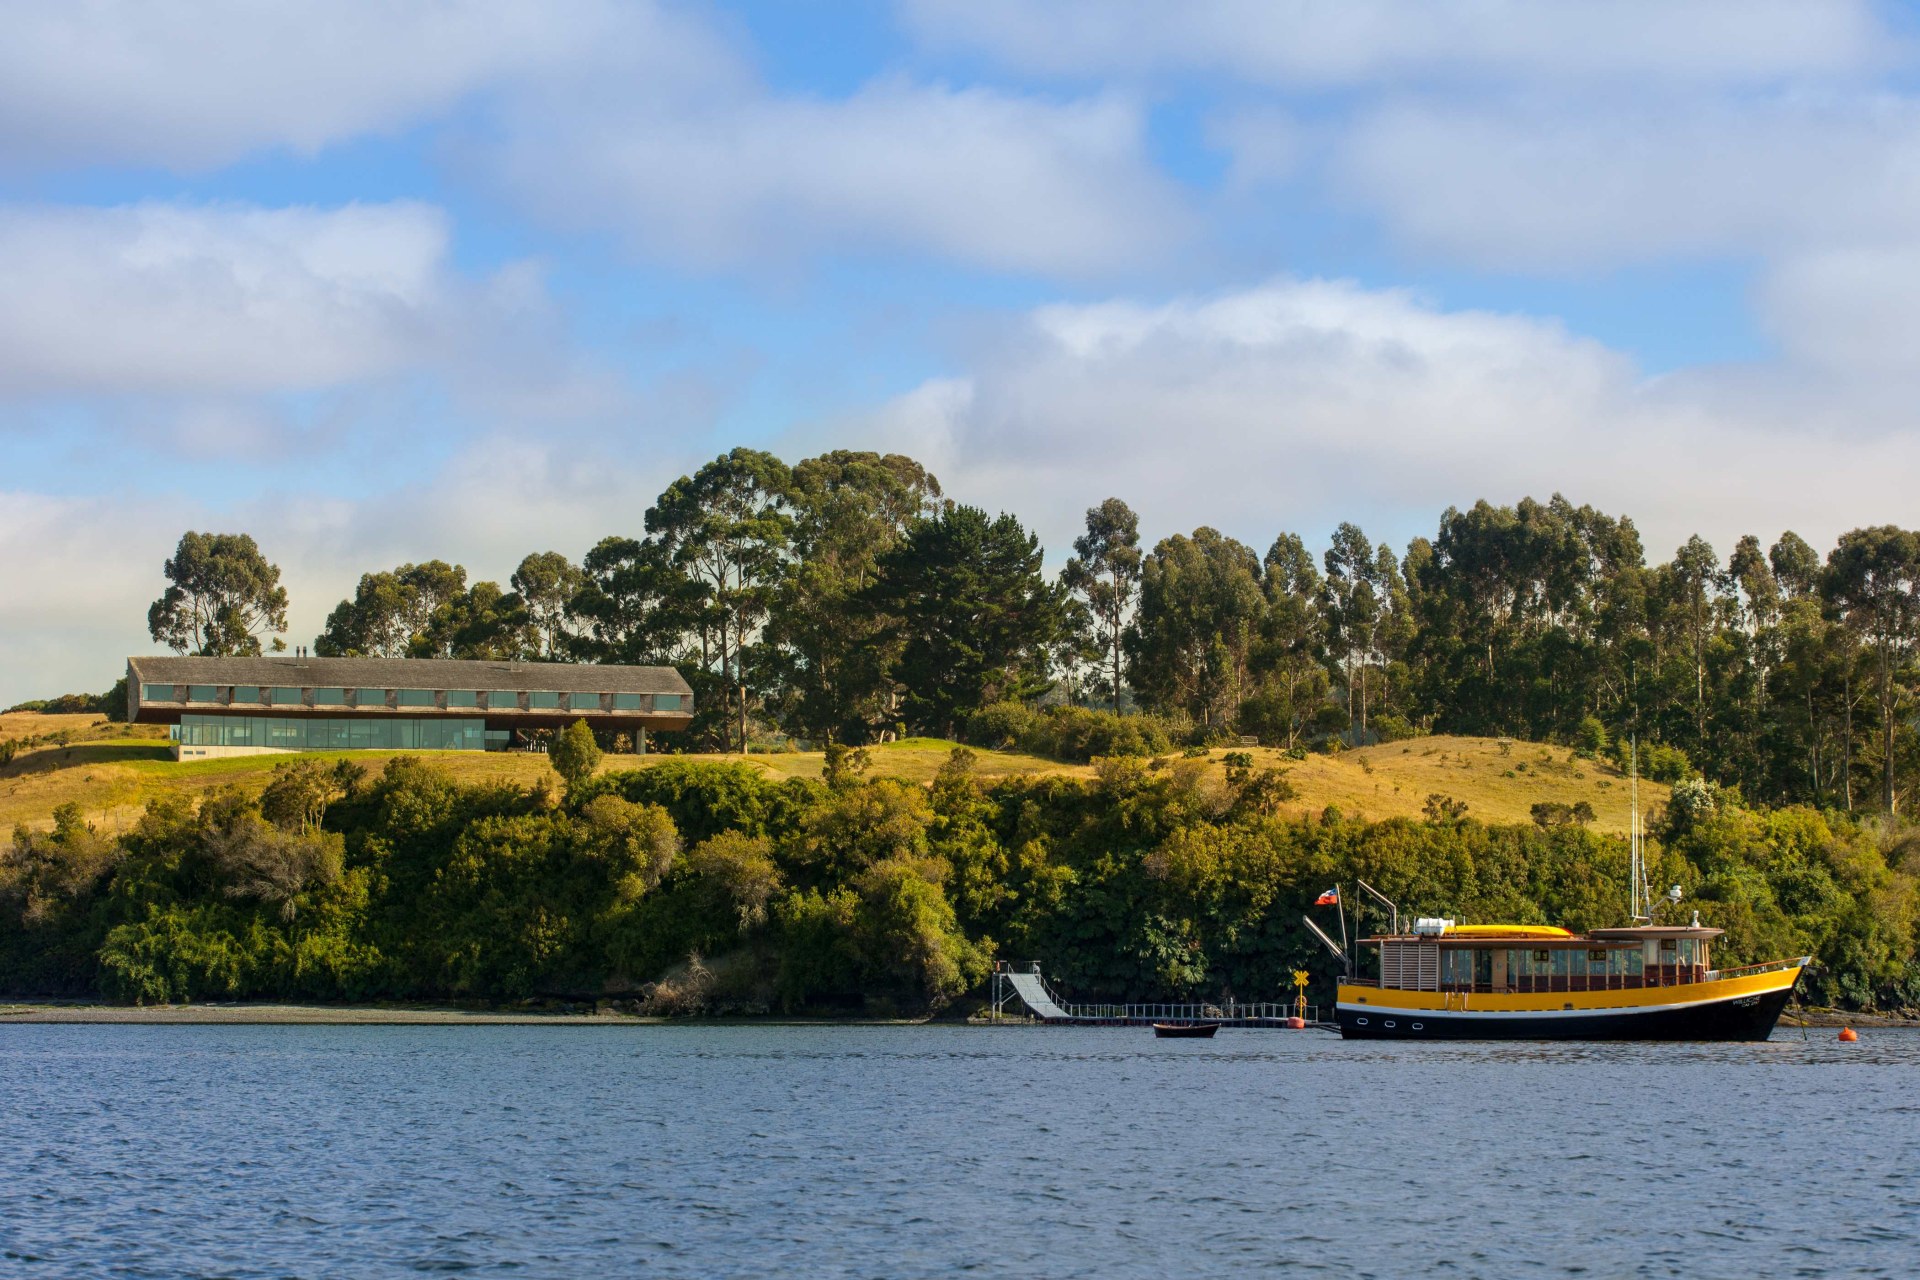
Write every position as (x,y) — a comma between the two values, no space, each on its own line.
(1331,898)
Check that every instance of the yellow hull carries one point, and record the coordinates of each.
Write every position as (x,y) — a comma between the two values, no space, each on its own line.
(1561,1001)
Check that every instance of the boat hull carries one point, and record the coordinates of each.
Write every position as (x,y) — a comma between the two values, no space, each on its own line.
(1739,1015)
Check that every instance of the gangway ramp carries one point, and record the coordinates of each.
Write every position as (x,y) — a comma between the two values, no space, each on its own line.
(1032,990)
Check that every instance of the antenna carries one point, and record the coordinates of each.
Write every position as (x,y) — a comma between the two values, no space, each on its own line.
(1639,901)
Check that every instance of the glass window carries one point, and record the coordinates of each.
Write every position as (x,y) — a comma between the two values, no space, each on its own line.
(417,698)
(666,702)
(156,693)
(462,698)
(203,693)
(583,702)
(543,700)
(500,700)
(329,697)
(369,697)
(246,693)
(286,697)
(626,702)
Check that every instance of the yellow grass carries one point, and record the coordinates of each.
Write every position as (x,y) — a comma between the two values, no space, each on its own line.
(111,777)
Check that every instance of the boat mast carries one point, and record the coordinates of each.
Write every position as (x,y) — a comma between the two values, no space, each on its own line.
(1637,895)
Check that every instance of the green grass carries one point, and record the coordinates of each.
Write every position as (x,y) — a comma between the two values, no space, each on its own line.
(112,777)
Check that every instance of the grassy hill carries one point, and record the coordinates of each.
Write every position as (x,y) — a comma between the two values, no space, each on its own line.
(112,770)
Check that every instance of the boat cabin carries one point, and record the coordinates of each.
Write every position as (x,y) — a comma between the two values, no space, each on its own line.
(1524,959)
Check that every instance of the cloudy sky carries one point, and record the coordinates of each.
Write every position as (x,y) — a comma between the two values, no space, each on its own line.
(378,281)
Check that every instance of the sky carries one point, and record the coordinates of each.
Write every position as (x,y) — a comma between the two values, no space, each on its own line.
(379,282)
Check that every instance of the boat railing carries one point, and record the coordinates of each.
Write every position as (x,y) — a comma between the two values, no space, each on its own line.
(1771,966)
(1666,975)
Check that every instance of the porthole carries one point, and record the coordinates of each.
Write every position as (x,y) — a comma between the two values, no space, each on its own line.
(1419,1026)
(1388,1023)
(1359,1022)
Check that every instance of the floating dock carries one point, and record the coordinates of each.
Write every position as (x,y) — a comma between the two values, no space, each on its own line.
(1025,984)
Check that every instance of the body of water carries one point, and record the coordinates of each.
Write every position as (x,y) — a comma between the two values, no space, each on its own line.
(171,1151)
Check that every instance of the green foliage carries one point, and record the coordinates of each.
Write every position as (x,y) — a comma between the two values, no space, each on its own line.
(574,754)
(1141,883)
(221,595)
(1078,734)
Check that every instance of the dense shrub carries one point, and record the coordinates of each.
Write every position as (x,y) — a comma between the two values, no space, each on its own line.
(1078,734)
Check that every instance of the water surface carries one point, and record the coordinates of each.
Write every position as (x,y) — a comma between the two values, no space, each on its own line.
(935,1151)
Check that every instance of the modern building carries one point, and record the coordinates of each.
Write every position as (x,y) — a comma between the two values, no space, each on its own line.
(249,706)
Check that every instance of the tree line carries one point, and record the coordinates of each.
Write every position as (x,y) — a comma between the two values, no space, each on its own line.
(846,599)
(694,886)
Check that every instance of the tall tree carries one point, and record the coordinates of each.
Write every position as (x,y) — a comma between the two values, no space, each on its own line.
(390,611)
(1353,612)
(222,594)
(827,653)
(1104,571)
(1873,579)
(546,583)
(727,528)
(973,611)
(632,606)
(1288,663)
(1194,632)
(481,622)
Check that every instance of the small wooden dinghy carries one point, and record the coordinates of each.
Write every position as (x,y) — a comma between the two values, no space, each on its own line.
(1185,1030)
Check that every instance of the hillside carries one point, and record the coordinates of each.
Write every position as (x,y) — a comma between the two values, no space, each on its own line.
(112,770)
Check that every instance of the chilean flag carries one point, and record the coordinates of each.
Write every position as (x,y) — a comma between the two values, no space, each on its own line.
(1331,898)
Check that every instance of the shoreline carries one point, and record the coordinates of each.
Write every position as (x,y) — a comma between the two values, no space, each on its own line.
(282,1014)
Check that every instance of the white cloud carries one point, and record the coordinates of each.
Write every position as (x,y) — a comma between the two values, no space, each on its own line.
(971,175)
(1298,404)
(197,85)
(1558,184)
(175,298)
(1323,43)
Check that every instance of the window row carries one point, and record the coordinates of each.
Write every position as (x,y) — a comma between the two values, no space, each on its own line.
(538,700)
(325,734)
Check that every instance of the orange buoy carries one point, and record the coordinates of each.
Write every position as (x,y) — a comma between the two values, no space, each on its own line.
(1297,1024)
(1848,1035)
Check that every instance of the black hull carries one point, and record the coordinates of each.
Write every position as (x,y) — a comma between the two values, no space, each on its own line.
(1743,1018)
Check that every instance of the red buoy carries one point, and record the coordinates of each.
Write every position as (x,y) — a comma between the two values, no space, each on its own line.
(1297,1024)
(1848,1035)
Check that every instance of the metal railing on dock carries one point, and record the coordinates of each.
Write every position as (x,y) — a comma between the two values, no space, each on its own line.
(1025,984)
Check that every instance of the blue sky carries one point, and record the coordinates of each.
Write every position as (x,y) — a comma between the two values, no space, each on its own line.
(379,282)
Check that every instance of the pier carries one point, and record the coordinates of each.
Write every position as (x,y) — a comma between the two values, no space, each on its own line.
(1025,984)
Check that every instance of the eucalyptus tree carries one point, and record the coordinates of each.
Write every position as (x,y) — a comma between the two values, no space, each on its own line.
(546,583)
(1873,580)
(829,656)
(390,611)
(1195,630)
(221,596)
(727,529)
(1104,573)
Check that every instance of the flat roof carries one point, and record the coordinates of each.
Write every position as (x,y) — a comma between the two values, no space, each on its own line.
(409,673)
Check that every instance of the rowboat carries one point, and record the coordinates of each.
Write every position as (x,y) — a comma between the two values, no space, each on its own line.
(1185,1030)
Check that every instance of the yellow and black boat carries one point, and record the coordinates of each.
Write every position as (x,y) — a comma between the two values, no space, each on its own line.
(1446,981)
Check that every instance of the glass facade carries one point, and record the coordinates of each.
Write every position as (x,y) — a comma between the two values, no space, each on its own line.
(626,702)
(417,698)
(329,697)
(286,697)
(462,698)
(497,701)
(369,697)
(539,699)
(156,693)
(203,693)
(334,734)
(666,702)
(583,702)
(246,693)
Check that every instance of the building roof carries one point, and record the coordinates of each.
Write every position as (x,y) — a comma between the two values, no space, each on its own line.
(408,673)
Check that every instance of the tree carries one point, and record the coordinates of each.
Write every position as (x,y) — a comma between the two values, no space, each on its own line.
(546,583)
(726,528)
(222,595)
(827,655)
(481,622)
(1353,610)
(1105,572)
(1192,636)
(631,606)
(1873,579)
(390,612)
(1288,659)
(972,612)
(574,754)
